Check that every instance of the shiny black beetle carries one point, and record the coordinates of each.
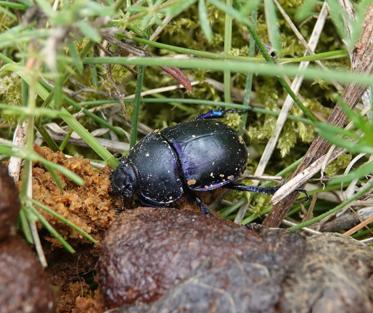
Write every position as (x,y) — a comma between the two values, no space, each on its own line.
(199,155)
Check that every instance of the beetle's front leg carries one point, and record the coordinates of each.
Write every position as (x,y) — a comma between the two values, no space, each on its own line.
(217,113)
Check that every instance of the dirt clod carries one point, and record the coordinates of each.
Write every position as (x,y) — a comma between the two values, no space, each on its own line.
(9,203)
(148,251)
(23,283)
(167,260)
(89,206)
(335,275)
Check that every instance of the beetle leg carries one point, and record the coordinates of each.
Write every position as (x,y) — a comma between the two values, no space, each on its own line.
(204,209)
(242,187)
(217,113)
(268,190)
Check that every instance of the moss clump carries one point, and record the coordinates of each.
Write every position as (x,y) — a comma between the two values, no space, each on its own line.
(338,165)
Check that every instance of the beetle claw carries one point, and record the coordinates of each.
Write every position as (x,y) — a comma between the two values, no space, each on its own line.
(308,197)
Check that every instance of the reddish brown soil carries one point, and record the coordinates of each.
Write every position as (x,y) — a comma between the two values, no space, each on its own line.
(73,278)
(92,208)
(89,206)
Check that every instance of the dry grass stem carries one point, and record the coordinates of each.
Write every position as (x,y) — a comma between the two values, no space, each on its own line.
(19,140)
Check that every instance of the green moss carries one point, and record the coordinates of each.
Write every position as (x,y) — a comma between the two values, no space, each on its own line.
(5,21)
(10,89)
(291,4)
(338,165)
(287,140)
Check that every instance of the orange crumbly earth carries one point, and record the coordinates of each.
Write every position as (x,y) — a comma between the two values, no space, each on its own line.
(73,279)
(89,206)
(92,209)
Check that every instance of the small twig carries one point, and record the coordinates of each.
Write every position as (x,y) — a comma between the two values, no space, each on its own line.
(367,241)
(347,220)
(306,229)
(115,146)
(362,62)
(237,94)
(19,140)
(352,186)
(331,149)
(282,118)
(359,226)
(326,215)
(270,147)
(301,178)
(159,29)
(143,94)
(302,40)
(262,177)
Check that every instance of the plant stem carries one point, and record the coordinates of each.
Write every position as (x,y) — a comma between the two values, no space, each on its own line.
(137,104)
(367,187)
(249,78)
(240,67)
(211,55)
(227,49)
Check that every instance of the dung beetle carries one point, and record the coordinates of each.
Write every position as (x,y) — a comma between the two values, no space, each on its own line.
(199,155)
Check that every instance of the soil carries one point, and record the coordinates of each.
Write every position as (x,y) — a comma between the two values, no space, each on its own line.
(73,277)
(9,203)
(148,251)
(169,261)
(89,206)
(24,286)
(92,208)
(161,259)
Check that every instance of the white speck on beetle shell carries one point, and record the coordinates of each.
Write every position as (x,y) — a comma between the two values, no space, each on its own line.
(221,175)
(230,177)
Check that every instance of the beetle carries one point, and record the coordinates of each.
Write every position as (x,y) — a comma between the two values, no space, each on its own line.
(199,155)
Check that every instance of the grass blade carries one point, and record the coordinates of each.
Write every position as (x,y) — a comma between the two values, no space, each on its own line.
(52,230)
(306,9)
(137,104)
(367,187)
(310,73)
(89,31)
(363,170)
(89,139)
(203,18)
(272,25)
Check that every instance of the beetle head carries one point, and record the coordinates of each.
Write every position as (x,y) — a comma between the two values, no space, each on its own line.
(123,179)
